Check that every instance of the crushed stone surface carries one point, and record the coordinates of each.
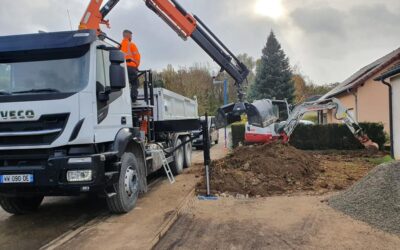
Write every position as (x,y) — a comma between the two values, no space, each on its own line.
(375,199)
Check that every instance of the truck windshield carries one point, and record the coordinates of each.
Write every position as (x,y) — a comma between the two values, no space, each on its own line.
(57,75)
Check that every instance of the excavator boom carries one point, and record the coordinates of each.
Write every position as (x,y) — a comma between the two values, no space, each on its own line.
(187,25)
(341,113)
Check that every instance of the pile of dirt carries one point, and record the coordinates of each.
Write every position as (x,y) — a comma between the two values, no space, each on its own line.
(375,199)
(264,170)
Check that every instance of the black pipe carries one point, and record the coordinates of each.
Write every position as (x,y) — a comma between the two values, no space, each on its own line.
(146,88)
(390,116)
(151,85)
(206,154)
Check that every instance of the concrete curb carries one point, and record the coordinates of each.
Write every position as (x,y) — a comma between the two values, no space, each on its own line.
(65,237)
(184,206)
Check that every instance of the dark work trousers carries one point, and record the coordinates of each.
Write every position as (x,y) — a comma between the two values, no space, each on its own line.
(134,82)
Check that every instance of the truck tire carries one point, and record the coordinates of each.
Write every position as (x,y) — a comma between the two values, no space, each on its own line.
(20,205)
(127,188)
(188,149)
(179,159)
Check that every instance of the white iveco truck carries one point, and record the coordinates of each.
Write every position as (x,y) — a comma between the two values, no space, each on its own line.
(67,124)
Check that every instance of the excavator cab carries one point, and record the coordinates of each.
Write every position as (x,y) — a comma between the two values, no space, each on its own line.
(260,113)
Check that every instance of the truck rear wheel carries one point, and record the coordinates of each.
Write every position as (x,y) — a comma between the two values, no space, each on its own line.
(187,152)
(179,158)
(127,188)
(20,205)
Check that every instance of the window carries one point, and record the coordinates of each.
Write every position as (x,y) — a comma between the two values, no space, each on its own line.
(65,75)
(213,123)
(103,70)
(325,118)
(5,77)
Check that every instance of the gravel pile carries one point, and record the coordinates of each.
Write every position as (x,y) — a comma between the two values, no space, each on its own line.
(375,199)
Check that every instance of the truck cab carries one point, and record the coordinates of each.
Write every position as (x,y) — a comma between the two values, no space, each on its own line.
(66,123)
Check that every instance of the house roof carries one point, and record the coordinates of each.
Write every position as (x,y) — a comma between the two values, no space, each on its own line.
(313,98)
(391,72)
(363,74)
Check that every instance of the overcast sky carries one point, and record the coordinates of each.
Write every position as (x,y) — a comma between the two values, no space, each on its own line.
(328,40)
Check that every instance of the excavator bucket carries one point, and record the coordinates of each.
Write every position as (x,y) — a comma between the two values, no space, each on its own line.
(367,143)
(229,114)
(260,113)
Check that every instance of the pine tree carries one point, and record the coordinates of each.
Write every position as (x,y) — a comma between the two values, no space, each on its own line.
(273,74)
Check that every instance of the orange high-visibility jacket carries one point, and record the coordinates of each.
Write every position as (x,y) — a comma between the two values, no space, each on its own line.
(131,52)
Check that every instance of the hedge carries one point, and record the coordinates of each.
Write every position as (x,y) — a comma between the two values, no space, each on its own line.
(335,136)
(323,137)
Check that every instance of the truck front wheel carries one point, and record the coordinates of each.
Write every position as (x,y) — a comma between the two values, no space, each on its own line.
(127,188)
(20,205)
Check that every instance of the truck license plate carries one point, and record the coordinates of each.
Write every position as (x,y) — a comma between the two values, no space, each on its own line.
(16,178)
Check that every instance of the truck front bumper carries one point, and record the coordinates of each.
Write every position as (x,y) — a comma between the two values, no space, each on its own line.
(50,176)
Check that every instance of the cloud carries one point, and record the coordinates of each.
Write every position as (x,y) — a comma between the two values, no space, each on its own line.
(322,21)
(329,39)
(342,39)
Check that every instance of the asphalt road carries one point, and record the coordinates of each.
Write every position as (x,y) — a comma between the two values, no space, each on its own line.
(58,215)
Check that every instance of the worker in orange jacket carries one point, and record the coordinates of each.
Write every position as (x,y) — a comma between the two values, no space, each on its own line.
(132,57)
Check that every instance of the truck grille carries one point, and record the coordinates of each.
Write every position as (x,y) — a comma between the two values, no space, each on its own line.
(41,132)
(31,157)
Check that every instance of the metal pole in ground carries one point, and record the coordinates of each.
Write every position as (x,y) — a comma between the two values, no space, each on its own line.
(225,103)
(206,152)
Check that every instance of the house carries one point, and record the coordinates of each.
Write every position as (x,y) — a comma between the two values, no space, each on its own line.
(391,79)
(367,100)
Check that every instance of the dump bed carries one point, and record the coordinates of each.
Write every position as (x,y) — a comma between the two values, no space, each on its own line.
(169,105)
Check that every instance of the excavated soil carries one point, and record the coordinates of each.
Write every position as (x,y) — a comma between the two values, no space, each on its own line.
(264,170)
(275,169)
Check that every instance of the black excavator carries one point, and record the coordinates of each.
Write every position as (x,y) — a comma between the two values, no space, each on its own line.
(187,25)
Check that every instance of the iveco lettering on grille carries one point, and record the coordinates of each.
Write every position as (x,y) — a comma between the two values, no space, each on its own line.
(17,114)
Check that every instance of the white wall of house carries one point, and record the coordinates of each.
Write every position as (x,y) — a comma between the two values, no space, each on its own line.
(395,81)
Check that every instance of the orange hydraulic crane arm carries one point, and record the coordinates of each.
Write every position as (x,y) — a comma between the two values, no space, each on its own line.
(94,15)
(185,24)
(188,25)
(174,15)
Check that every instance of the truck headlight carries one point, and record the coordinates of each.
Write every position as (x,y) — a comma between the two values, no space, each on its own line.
(79,175)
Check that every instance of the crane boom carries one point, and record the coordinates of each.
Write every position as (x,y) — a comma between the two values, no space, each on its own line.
(95,14)
(187,25)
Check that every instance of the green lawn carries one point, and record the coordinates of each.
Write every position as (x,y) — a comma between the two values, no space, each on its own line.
(381,160)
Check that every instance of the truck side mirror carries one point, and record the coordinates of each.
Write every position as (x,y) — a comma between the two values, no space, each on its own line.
(117,72)
(116,57)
